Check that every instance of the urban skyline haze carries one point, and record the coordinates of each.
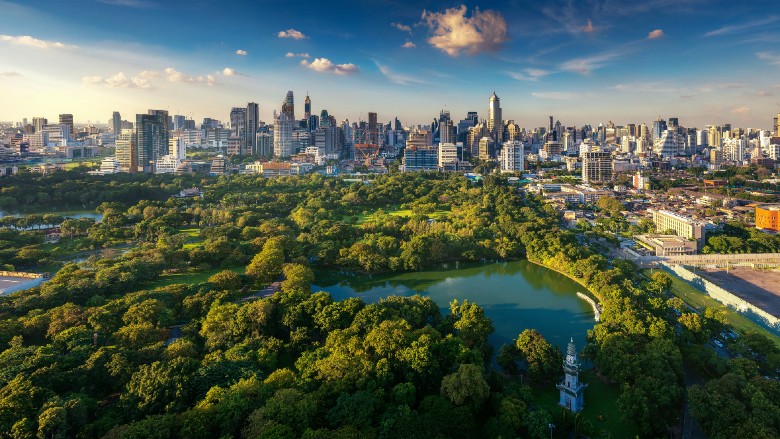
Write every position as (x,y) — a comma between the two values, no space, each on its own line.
(585,62)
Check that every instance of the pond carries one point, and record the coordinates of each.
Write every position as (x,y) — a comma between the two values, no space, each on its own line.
(515,295)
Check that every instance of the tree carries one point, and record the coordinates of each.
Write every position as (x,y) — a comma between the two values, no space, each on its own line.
(543,360)
(470,321)
(466,386)
(267,265)
(297,279)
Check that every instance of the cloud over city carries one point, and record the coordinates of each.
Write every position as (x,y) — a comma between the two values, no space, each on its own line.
(455,33)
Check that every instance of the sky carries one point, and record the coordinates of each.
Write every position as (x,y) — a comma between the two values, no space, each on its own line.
(584,62)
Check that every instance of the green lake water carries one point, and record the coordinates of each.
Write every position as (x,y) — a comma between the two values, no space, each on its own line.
(515,295)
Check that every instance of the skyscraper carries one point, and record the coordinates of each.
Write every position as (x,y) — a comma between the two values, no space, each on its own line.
(283,127)
(116,123)
(67,119)
(39,122)
(126,151)
(306,107)
(151,133)
(494,124)
(777,125)
(288,106)
(238,122)
(659,126)
(373,131)
(446,130)
(252,120)
(178,122)
(596,167)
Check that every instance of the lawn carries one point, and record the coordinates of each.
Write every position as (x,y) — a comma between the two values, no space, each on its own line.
(700,300)
(189,278)
(193,237)
(406,213)
(600,402)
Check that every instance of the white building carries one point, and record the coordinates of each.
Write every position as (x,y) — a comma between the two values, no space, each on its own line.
(109,165)
(167,164)
(734,149)
(448,154)
(283,127)
(177,148)
(512,157)
(667,144)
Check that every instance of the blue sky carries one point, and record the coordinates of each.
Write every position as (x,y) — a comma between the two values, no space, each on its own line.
(584,62)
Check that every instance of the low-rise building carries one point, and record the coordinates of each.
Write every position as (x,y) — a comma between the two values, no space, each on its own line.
(668,245)
(768,217)
(685,227)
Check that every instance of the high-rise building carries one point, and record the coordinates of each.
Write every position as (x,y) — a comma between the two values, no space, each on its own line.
(39,122)
(448,155)
(288,106)
(67,119)
(116,123)
(306,108)
(777,125)
(283,128)
(494,123)
(487,149)
(596,167)
(659,126)
(512,157)
(446,130)
(250,132)
(178,122)
(237,141)
(373,131)
(151,143)
(667,144)
(126,151)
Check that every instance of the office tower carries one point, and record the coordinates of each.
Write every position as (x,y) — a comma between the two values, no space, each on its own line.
(734,149)
(250,132)
(151,140)
(448,155)
(472,115)
(373,133)
(643,132)
(237,122)
(512,157)
(325,119)
(178,122)
(487,149)
(714,137)
(667,144)
(265,144)
(494,123)
(446,130)
(288,106)
(777,125)
(126,150)
(673,123)
(67,119)
(39,122)
(116,123)
(596,167)
(659,126)
(283,127)
(511,131)
(313,122)
(306,107)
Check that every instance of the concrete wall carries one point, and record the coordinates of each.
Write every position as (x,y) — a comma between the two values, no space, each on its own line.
(752,312)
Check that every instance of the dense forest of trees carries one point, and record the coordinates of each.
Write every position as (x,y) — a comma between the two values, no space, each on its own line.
(95,352)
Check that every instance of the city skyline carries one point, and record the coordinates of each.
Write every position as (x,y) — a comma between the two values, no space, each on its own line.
(584,64)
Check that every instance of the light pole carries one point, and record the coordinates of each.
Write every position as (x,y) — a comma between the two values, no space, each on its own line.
(551,429)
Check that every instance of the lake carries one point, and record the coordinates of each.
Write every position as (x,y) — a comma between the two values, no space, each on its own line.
(515,295)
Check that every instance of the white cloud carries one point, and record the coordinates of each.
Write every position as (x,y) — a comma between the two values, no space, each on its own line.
(323,65)
(118,81)
(173,75)
(655,34)
(586,65)
(402,27)
(589,28)
(763,93)
(455,33)
(291,33)
(8,74)
(241,52)
(736,28)
(397,78)
(557,95)
(228,71)
(297,55)
(772,58)
(740,110)
(27,40)
(530,74)
(408,45)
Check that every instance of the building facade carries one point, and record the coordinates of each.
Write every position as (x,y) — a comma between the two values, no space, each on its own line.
(768,217)
(572,390)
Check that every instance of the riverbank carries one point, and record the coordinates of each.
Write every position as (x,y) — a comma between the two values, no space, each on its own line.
(590,292)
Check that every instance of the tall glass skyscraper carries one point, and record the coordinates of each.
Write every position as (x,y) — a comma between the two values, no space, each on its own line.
(151,131)
(494,123)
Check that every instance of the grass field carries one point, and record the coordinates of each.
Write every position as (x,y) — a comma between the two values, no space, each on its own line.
(193,237)
(189,278)
(700,300)
(600,407)
(406,213)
